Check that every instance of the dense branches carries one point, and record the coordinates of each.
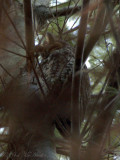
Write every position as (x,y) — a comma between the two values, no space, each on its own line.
(38,83)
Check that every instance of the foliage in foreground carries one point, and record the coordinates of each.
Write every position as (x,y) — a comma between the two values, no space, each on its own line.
(90,128)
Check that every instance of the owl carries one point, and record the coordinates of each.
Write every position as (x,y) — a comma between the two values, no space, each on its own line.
(56,80)
(46,96)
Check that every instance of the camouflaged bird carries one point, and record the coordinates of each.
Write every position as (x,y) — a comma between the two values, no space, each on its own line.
(56,65)
(27,95)
(52,72)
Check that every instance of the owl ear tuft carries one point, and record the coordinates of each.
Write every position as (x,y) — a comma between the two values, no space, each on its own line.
(50,38)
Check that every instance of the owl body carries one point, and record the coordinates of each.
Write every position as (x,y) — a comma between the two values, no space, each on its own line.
(40,103)
(57,67)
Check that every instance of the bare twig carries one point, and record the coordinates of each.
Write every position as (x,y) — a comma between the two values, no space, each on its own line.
(29,32)
(17,54)
(76,97)
(16,30)
(11,40)
(6,71)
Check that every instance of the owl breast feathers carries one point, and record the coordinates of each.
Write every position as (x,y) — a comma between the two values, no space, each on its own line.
(56,68)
